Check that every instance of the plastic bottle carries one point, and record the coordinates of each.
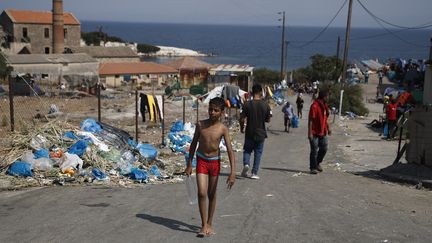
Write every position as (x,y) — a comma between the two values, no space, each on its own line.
(191,187)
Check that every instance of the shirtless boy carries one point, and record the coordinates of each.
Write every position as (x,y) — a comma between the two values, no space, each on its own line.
(208,134)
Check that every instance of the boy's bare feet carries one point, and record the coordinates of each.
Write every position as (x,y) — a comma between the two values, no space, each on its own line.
(202,232)
(210,231)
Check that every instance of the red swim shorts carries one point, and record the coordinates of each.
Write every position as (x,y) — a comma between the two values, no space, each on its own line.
(207,167)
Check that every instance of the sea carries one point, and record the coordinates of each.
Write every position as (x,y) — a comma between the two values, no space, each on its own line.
(260,46)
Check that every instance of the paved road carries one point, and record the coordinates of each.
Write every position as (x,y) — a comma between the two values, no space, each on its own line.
(286,205)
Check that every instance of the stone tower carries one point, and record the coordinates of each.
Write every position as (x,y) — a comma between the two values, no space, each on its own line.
(58,26)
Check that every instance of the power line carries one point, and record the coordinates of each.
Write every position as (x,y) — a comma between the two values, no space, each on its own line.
(386,29)
(324,29)
(422,26)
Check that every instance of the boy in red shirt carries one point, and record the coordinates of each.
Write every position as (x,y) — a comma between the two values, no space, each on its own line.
(391,112)
(318,129)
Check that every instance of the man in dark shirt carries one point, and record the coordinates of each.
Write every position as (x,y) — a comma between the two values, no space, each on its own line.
(256,113)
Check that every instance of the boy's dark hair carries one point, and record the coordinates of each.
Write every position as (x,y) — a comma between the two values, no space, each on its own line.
(218,101)
(256,89)
(323,93)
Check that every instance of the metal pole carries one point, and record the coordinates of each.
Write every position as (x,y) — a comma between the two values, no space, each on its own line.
(282,45)
(163,120)
(347,37)
(99,101)
(184,110)
(136,115)
(430,53)
(11,104)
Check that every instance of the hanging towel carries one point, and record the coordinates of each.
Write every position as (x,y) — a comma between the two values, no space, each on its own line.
(144,106)
(152,108)
(160,105)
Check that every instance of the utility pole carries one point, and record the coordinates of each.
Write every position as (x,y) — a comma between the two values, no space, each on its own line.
(347,37)
(430,53)
(282,43)
(337,53)
(285,60)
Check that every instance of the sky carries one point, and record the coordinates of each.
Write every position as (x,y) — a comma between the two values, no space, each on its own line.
(239,12)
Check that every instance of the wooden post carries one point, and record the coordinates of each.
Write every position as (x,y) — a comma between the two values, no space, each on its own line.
(184,110)
(197,118)
(163,120)
(136,115)
(11,104)
(347,37)
(98,90)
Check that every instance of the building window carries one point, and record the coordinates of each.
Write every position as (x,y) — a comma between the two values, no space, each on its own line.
(47,50)
(46,33)
(65,33)
(117,76)
(25,33)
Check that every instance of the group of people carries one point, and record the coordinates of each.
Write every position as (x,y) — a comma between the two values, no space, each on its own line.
(255,113)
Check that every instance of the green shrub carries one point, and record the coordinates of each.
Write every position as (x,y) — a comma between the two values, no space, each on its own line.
(266,76)
(144,48)
(352,98)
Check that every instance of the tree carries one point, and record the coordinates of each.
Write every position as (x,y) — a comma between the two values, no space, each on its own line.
(5,70)
(322,68)
(266,76)
(352,100)
(144,48)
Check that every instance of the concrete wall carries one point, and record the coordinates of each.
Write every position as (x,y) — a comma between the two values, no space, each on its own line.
(419,149)
(142,79)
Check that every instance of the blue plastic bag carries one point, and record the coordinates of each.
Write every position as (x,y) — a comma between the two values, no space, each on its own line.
(138,175)
(70,135)
(177,127)
(19,168)
(194,162)
(155,171)
(386,131)
(78,148)
(90,125)
(132,143)
(98,174)
(41,153)
(147,151)
(294,122)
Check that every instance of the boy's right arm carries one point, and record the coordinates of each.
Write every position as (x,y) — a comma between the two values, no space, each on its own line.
(192,149)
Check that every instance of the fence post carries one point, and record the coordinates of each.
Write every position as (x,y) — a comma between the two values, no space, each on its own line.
(99,101)
(184,110)
(11,104)
(136,115)
(163,120)
(197,118)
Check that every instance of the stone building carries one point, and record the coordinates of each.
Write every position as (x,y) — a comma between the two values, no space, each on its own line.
(109,54)
(32,31)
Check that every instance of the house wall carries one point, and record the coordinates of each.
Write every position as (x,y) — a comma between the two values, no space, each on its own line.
(419,150)
(140,79)
(36,34)
(117,59)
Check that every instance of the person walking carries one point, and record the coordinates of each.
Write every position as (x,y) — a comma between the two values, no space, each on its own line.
(300,103)
(288,111)
(256,113)
(318,129)
(391,113)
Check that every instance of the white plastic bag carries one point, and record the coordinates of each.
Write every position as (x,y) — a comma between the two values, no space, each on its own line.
(191,187)
(39,142)
(70,161)
(43,164)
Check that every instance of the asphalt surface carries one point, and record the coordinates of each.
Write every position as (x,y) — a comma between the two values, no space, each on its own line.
(286,205)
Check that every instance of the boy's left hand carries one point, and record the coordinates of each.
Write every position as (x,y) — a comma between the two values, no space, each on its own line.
(230,181)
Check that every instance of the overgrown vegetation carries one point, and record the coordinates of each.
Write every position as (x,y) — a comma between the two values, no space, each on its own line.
(352,97)
(95,38)
(4,69)
(266,76)
(322,68)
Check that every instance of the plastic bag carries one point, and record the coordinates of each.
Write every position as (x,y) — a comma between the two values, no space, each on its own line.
(43,163)
(191,187)
(294,122)
(138,175)
(177,127)
(39,142)
(20,168)
(147,151)
(70,136)
(155,171)
(90,125)
(124,164)
(70,161)
(89,136)
(78,148)
(41,153)
(98,174)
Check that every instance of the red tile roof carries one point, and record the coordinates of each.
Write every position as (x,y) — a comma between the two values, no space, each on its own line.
(34,17)
(134,68)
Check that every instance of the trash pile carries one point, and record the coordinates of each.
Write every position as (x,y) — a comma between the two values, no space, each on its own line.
(59,153)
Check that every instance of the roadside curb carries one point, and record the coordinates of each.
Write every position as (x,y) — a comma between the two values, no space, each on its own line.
(401,178)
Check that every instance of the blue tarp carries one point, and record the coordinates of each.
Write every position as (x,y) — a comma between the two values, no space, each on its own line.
(147,151)
(20,168)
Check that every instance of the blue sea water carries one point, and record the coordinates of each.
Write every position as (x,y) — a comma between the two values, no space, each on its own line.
(260,46)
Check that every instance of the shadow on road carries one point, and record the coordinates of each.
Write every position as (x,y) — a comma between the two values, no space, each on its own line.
(285,169)
(169,223)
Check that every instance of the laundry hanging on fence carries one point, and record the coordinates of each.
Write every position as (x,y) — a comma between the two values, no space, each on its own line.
(151,104)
